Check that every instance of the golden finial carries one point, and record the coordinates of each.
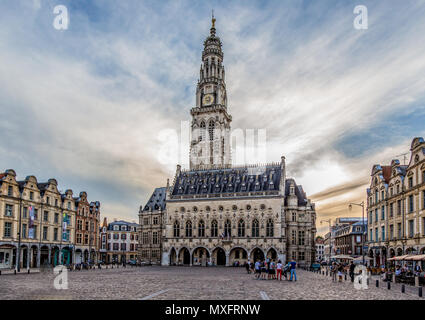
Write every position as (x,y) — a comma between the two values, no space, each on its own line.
(213,19)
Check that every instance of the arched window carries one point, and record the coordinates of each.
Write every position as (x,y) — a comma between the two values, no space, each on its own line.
(269,230)
(227,228)
(241,228)
(176,229)
(189,229)
(214,228)
(203,131)
(211,126)
(201,229)
(255,228)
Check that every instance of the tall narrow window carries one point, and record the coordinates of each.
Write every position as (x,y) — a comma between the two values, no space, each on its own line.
(411,229)
(214,228)
(201,229)
(176,229)
(241,228)
(211,127)
(203,131)
(227,228)
(269,230)
(189,229)
(255,228)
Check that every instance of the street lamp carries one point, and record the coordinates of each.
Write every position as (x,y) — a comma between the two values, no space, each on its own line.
(350,206)
(330,239)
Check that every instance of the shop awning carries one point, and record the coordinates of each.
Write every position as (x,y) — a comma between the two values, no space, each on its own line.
(342,256)
(398,258)
(417,257)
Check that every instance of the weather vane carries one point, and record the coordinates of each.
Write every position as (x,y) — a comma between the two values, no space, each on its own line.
(213,19)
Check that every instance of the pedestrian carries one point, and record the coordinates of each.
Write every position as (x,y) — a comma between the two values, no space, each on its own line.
(333,271)
(293,272)
(340,271)
(268,269)
(263,270)
(279,270)
(418,268)
(257,269)
(247,264)
(352,267)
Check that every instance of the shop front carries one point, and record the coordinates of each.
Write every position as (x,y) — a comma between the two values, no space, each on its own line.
(6,256)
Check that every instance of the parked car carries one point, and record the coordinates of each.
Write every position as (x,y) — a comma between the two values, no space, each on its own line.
(132,262)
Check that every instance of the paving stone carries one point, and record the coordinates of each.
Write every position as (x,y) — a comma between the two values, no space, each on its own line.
(186,283)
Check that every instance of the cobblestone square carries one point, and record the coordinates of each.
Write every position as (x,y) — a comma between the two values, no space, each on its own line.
(187,283)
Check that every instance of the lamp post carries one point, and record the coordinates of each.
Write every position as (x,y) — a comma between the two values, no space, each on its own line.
(330,239)
(350,206)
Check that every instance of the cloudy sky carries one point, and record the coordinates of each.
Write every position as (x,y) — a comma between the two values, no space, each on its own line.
(88,105)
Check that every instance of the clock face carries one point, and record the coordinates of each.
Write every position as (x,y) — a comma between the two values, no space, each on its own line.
(208,99)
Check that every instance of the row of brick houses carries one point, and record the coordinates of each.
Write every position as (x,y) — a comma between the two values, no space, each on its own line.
(56,228)
(396,207)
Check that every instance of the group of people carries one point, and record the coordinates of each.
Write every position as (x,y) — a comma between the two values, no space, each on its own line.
(269,269)
(405,270)
(338,270)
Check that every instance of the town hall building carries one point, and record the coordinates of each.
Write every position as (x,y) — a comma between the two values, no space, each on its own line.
(217,214)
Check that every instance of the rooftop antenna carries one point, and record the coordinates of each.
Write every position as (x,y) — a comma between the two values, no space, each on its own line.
(404,157)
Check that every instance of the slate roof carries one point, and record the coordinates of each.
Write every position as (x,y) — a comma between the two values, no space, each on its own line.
(299,192)
(121,223)
(157,200)
(230,180)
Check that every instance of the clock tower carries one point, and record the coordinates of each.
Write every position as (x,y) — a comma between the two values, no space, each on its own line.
(210,141)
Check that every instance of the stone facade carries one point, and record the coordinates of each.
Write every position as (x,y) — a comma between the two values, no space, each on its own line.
(396,207)
(48,238)
(122,241)
(219,214)
(151,225)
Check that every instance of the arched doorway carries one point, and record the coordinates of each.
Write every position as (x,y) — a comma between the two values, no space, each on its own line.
(55,256)
(24,253)
(272,254)
(399,252)
(257,254)
(173,257)
(93,256)
(238,256)
(219,257)
(200,257)
(44,255)
(86,256)
(392,252)
(34,250)
(184,256)
(78,256)
(66,256)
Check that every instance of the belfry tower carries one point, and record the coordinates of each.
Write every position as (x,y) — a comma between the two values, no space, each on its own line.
(210,141)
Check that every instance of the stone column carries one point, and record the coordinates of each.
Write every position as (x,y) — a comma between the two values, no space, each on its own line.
(227,259)
(165,261)
(50,255)
(38,257)
(28,258)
